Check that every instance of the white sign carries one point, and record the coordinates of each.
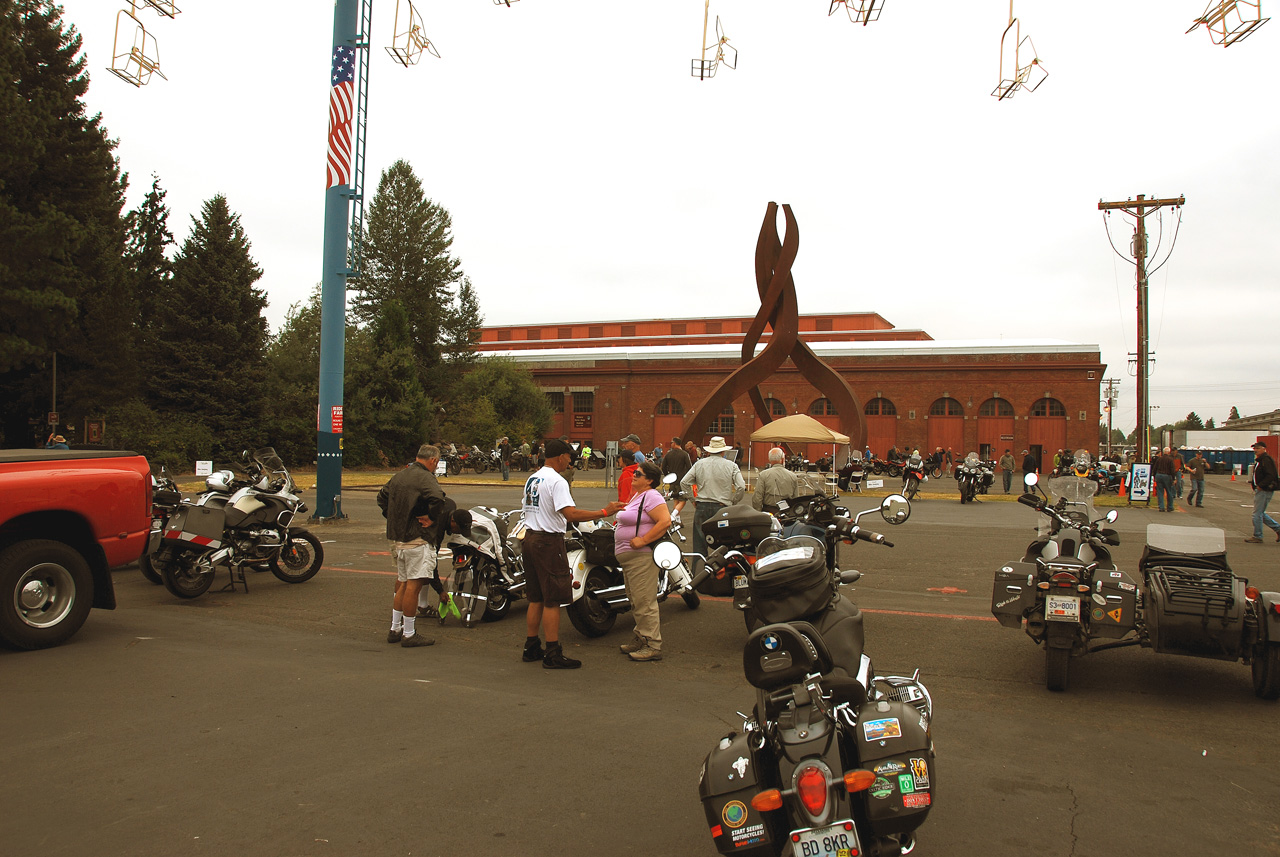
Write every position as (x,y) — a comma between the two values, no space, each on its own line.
(1140,483)
(204,468)
(875,483)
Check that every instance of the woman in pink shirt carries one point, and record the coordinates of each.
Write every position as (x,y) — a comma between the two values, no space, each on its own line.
(641,523)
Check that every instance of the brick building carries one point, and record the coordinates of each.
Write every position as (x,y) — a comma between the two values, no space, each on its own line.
(605,379)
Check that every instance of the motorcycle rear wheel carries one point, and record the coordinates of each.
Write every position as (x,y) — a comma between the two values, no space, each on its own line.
(149,570)
(588,615)
(1266,670)
(299,559)
(480,466)
(182,576)
(1057,666)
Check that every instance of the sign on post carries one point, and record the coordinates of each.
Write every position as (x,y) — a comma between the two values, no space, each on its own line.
(1140,484)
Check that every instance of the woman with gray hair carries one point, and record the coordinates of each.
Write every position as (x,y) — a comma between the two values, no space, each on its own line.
(642,522)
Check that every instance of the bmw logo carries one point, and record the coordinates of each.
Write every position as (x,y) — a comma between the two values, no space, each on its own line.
(771,642)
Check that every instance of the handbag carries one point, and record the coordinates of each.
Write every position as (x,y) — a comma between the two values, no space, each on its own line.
(599,547)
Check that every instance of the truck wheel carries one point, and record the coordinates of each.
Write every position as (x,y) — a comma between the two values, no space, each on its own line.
(588,615)
(46,591)
(1057,663)
(1266,670)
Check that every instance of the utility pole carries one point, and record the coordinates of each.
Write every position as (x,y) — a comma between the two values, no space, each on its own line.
(1140,209)
(1111,406)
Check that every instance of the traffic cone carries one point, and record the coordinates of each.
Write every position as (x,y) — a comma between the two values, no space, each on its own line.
(1233,475)
(1122,488)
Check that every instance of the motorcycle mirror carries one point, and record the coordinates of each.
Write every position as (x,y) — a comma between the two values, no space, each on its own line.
(667,555)
(895,509)
(1031,479)
(1112,516)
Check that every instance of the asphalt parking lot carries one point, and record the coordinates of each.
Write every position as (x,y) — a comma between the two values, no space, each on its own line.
(279,722)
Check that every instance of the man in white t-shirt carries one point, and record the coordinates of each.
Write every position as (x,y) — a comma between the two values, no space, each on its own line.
(547,508)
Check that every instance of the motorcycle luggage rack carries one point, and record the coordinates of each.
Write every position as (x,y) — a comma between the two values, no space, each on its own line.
(1202,591)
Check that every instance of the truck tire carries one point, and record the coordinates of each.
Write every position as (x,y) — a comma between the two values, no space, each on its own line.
(46,591)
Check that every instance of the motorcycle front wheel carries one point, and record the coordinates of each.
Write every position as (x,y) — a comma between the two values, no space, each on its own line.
(454,467)
(588,615)
(913,487)
(182,576)
(1057,665)
(300,558)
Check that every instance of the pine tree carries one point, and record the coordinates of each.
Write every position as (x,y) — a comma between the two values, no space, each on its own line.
(212,335)
(1210,424)
(293,384)
(1234,415)
(1193,421)
(387,413)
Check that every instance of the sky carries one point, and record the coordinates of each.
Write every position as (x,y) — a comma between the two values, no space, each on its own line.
(590,177)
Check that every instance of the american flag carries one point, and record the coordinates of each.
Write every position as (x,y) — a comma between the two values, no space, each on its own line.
(341,110)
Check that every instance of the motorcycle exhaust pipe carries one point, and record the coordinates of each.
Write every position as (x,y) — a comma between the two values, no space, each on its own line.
(516,588)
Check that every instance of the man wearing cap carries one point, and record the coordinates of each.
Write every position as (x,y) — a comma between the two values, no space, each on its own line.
(548,507)
(413,503)
(719,482)
(631,444)
(676,461)
(1006,469)
(1265,482)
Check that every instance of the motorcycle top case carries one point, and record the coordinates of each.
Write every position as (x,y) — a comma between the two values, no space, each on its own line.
(893,741)
(1013,593)
(200,526)
(731,777)
(737,525)
(792,583)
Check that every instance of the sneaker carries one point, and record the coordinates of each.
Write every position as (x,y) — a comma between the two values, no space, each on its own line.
(646,654)
(427,613)
(395,635)
(555,659)
(633,646)
(417,640)
(1253,540)
(532,654)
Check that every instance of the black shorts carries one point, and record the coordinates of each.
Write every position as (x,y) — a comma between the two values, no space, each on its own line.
(546,569)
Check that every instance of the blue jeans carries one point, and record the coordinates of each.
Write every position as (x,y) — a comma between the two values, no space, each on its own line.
(1260,516)
(1008,480)
(1164,495)
(1196,494)
(506,470)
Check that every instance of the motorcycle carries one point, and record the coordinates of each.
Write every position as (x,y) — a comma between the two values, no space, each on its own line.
(833,759)
(1068,593)
(253,526)
(488,569)
(914,473)
(973,477)
(165,498)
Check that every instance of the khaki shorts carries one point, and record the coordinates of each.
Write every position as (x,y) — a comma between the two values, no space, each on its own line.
(415,563)
(546,569)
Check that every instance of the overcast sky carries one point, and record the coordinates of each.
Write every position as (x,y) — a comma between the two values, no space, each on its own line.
(590,177)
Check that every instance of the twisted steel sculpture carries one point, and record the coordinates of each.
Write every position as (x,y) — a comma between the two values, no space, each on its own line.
(778,310)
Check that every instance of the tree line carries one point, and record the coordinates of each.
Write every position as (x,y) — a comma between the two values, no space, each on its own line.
(167,343)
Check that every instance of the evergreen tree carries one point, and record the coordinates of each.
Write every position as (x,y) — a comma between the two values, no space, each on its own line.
(212,335)
(147,253)
(61,233)
(406,252)
(497,397)
(293,386)
(1193,421)
(387,411)
(1234,415)
(1210,424)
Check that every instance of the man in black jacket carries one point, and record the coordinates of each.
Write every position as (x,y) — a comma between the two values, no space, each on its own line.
(412,503)
(1265,481)
(676,461)
(1164,470)
(1029,465)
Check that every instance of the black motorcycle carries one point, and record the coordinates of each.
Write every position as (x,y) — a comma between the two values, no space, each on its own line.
(165,498)
(252,527)
(833,759)
(973,477)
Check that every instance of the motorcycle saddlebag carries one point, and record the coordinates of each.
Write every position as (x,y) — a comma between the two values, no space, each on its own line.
(791,583)
(1114,606)
(199,526)
(1014,593)
(731,777)
(893,741)
(737,525)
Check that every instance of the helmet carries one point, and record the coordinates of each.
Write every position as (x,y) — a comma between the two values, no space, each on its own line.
(220,481)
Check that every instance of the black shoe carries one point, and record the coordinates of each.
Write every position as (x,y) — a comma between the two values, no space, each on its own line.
(532,653)
(417,640)
(395,635)
(555,659)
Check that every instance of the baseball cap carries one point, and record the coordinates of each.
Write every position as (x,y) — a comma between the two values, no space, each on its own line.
(557,447)
(631,437)
(1258,445)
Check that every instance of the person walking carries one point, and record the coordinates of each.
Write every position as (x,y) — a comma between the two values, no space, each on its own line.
(676,461)
(1178,466)
(1006,469)
(1265,482)
(1029,465)
(641,523)
(1197,467)
(719,483)
(1164,468)
(504,458)
(548,506)
(412,503)
(776,482)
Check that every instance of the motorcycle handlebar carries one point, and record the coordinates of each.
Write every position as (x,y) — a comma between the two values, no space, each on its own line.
(869,536)
(1030,500)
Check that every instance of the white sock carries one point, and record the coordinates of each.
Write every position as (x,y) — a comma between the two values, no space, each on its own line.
(397,620)
(408,625)
(424,597)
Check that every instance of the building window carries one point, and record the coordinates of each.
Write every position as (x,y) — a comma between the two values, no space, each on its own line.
(995,408)
(628,330)
(595,331)
(880,408)
(669,407)
(713,327)
(678,329)
(723,424)
(564,333)
(823,408)
(775,408)
(946,408)
(533,333)
(584,403)
(1048,408)
(504,335)
(556,401)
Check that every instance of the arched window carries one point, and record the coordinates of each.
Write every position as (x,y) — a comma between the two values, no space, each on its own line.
(775,408)
(880,408)
(823,408)
(723,424)
(995,408)
(670,407)
(1048,408)
(946,408)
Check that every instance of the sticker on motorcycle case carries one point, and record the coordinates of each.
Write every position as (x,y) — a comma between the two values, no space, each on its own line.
(1097,613)
(1007,570)
(1099,600)
(906,784)
(917,801)
(878,730)
(881,788)
(740,765)
(889,767)
(734,814)
(920,772)
(1117,574)
(722,524)
(1116,613)
(770,642)
(1127,586)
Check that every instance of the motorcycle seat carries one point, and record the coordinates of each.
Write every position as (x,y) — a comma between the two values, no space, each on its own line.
(782,654)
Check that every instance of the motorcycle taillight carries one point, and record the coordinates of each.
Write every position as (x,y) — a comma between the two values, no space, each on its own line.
(811,785)
(1064,578)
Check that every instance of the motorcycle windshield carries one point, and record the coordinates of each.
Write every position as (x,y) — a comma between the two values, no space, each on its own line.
(1079,494)
(274,468)
(972,459)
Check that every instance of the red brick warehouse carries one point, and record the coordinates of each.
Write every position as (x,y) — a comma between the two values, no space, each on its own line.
(606,379)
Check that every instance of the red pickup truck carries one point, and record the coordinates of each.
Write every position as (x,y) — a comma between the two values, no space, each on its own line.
(66,519)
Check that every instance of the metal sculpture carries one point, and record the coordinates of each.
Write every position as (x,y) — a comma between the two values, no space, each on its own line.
(860,11)
(726,54)
(778,310)
(1231,21)
(1025,77)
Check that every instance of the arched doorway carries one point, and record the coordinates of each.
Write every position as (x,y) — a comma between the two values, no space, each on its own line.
(1048,430)
(882,426)
(995,428)
(760,451)
(668,419)
(946,427)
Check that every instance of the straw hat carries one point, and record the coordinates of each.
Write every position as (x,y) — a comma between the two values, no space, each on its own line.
(717,445)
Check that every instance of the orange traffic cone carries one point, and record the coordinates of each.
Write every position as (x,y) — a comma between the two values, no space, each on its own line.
(1122,488)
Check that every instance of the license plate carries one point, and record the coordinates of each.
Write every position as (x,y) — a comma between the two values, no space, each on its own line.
(838,840)
(739,581)
(1062,608)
